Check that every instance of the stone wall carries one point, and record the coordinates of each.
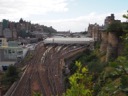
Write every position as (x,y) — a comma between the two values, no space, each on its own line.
(94,31)
(113,39)
(110,45)
(104,42)
(112,48)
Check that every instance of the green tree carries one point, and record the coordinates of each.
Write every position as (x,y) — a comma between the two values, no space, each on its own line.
(11,75)
(125,36)
(115,27)
(124,82)
(36,94)
(80,82)
(126,15)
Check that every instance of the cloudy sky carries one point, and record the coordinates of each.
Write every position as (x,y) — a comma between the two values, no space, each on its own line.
(74,15)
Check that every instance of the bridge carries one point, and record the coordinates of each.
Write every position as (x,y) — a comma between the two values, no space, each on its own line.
(43,73)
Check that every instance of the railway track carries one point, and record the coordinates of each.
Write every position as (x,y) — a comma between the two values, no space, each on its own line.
(24,85)
(43,73)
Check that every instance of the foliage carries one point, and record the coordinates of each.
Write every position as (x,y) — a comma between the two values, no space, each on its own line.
(86,58)
(95,67)
(27,58)
(97,44)
(113,80)
(124,82)
(121,64)
(110,88)
(125,27)
(109,79)
(125,39)
(49,29)
(36,94)
(115,27)
(10,75)
(126,15)
(80,82)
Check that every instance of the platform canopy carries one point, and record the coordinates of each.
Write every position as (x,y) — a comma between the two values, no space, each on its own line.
(68,40)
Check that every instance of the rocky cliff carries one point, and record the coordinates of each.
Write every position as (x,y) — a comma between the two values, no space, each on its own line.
(110,46)
(104,42)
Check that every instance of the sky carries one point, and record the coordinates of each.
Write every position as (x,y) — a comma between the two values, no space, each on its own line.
(63,15)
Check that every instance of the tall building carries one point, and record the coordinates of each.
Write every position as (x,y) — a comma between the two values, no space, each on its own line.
(108,20)
(11,51)
(1,29)
(7,33)
(5,23)
(94,31)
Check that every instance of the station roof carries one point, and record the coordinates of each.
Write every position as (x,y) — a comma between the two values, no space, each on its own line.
(68,40)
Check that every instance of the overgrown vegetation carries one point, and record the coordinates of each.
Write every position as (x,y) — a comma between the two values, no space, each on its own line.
(13,73)
(80,82)
(115,27)
(9,77)
(110,78)
(37,94)
(113,80)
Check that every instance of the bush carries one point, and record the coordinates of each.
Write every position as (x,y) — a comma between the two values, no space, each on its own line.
(115,27)
(10,75)
(124,82)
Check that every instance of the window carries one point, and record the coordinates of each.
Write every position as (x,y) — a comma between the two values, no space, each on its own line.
(13,51)
(9,51)
(20,52)
(0,42)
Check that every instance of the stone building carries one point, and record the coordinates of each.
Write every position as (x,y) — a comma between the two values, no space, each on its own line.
(3,42)
(7,33)
(108,20)
(10,51)
(24,25)
(90,28)
(110,44)
(12,27)
(13,53)
(1,29)
(94,31)
(8,29)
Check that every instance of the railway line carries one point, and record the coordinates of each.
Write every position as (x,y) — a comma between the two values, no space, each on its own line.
(43,73)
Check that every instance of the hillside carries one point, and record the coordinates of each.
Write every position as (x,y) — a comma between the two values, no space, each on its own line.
(107,63)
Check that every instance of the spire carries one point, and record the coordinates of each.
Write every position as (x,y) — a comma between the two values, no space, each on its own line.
(21,20)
